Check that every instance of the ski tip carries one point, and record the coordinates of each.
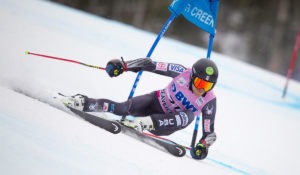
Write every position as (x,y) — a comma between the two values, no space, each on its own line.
(27,52)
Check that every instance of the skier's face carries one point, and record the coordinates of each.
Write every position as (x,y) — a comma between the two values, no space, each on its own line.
(197,92)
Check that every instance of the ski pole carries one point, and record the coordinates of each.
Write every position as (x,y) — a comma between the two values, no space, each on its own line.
(164,139)
(64,59)
(292,64)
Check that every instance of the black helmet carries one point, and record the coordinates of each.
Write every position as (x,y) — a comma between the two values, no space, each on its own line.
(206,70)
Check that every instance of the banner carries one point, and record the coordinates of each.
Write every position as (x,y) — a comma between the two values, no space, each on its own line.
(202,13)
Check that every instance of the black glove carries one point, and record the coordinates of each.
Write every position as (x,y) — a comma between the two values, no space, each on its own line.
(115,67)
(199,151)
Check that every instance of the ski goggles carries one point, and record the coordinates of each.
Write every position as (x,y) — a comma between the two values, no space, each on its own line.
(202,84)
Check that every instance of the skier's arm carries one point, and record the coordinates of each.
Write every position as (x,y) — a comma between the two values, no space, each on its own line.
(146,64)
(116,67)
(208,123)
(200,151)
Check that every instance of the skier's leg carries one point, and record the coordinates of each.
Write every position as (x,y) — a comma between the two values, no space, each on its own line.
(84,103)
(162,124)
(166,124)
(137,106)
(105,105)
(145,105)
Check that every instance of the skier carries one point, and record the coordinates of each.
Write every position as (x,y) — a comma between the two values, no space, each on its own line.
(167,110)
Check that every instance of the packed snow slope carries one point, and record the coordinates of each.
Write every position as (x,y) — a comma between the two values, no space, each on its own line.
(257,130)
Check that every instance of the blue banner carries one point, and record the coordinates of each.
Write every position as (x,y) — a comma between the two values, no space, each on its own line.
(202,13)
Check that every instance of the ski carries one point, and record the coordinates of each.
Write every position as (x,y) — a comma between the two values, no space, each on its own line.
(115,127)
(171,147)
(108,125)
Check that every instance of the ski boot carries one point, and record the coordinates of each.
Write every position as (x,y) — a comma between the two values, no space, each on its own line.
(140,124)
(76,101)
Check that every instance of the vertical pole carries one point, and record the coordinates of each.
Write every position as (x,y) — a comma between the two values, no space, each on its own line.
(292,64)
(210,43)
(195,131)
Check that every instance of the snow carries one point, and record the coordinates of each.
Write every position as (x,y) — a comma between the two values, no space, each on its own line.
(256,128)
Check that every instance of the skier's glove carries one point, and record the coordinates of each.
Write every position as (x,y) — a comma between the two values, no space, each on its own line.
(115,67)
(199,151)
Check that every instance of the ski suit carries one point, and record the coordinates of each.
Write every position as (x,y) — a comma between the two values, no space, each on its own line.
(171,108)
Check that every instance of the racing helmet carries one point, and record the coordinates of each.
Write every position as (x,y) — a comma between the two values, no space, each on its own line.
(204,74)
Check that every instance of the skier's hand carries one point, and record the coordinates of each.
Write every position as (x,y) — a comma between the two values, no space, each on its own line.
(115,67)
(199,151)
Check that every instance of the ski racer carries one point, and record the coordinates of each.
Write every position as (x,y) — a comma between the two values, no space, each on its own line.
(167,110)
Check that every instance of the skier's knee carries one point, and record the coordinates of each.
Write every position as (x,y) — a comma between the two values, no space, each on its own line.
(184,118)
